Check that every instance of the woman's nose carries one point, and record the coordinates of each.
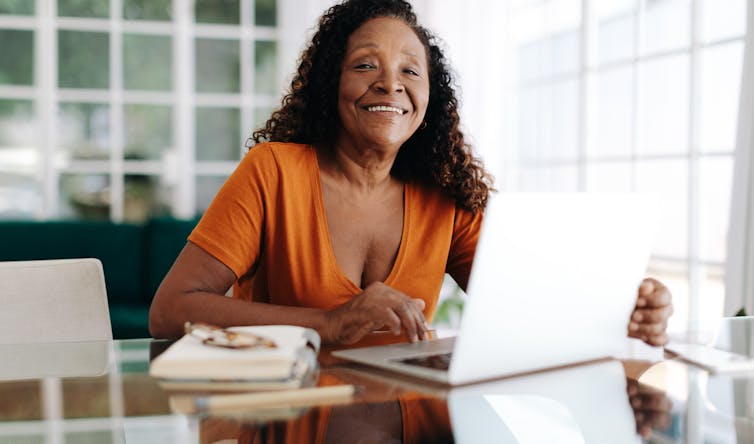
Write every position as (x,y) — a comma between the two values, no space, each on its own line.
(388,82)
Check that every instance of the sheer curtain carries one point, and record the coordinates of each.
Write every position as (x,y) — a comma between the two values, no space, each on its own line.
(739,282)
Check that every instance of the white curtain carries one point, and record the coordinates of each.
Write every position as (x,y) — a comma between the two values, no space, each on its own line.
(739,280)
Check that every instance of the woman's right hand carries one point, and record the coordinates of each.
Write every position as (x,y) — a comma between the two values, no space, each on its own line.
(378,307)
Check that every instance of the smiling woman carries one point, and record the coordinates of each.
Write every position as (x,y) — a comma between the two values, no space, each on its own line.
(359,196)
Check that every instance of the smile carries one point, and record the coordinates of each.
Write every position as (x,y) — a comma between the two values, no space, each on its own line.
(384,108)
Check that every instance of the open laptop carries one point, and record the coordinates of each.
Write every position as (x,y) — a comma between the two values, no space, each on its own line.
(554,282)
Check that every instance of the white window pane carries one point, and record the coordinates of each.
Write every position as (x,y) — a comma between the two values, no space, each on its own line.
(563,109)
(84,196)
(610,122)
(565,52)
(84,130)
(668,178)
(20,195)
(608,177)
(206,189)
(530,125)
(675,276)
(664,105)
(611,8)
(721,83)
(144,197)
(563,14)
(615,38)
(535,60)
(722,19)
(531,179)
(711,297)
(550,178)
(528,61)
(715,176)
(18,125)
(665,25)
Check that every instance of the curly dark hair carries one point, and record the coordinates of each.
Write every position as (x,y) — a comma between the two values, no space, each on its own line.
(436,154)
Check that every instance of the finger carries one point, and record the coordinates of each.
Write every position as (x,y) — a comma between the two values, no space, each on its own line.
(652,315)
(421,323)
(657,340)
(389,320)
(647,287)
(640,330)
(653,294)
(405,310)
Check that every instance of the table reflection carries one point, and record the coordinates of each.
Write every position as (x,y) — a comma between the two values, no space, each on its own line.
(593,403)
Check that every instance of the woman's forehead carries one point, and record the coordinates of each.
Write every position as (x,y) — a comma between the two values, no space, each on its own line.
(386,31)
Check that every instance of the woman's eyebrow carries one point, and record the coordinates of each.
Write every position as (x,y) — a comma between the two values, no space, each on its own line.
(363,46)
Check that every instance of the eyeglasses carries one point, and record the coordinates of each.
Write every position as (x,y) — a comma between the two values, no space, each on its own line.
(220,337)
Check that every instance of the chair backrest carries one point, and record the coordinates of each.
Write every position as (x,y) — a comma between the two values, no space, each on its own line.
(53,301)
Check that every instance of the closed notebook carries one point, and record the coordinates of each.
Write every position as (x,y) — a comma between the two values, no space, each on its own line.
(190,364)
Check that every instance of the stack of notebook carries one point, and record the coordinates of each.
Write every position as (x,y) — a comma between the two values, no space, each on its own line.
(286,358)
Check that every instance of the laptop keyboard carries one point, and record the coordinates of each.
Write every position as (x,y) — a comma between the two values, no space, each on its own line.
(439,361)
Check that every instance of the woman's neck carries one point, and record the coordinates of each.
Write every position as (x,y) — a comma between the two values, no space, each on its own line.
(363,170)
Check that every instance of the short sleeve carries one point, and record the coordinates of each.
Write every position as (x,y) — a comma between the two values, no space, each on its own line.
(466,229)
(231,229)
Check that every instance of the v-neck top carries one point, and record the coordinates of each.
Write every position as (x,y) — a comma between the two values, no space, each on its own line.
(269,226)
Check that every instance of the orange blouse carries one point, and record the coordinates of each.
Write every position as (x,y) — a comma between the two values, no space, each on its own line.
(268,225)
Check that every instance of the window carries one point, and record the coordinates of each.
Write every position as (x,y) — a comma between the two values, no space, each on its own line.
(636,95)
(124,110)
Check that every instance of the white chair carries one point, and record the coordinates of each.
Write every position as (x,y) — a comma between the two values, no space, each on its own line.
(53,301)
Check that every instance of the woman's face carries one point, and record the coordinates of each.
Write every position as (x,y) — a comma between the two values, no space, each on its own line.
(384,85)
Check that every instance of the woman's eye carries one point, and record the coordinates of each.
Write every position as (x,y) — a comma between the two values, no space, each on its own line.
(364,66)
(411,71)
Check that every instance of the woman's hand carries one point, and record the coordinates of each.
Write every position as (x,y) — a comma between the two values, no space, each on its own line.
(378,307)
(649,319)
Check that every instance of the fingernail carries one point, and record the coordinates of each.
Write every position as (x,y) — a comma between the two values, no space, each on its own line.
(633,326)
(641,302)
(637,317)
(635,402)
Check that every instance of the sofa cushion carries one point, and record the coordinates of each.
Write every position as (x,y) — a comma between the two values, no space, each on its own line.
(120,247)
(165,238)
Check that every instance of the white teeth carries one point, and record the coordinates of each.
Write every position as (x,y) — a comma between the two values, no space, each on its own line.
(384,108)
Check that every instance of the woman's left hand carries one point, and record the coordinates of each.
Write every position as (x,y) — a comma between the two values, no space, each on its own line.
(649,319)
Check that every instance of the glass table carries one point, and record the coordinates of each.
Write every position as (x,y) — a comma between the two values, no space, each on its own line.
(101,392)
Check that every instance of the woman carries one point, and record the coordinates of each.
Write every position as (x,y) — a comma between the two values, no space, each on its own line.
(366,195)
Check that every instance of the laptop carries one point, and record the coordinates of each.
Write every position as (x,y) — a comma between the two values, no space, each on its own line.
(554,282)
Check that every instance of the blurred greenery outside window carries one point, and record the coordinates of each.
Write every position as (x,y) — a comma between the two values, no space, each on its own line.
(84,8)
(99,143)
(217,131)
(218,66)
(154,10)
(83,59)
(17,7)
(226,12)
(17,57)
(147,62)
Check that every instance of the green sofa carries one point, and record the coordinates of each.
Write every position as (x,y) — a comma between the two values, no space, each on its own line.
(135,258)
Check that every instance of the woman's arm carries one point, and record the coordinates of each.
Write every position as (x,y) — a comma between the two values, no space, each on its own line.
(194,288)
